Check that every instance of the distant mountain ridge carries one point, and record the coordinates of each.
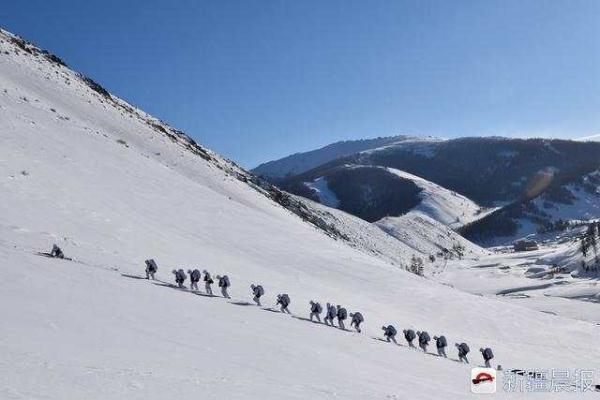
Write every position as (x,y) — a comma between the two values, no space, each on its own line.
(491,171)
(301,162)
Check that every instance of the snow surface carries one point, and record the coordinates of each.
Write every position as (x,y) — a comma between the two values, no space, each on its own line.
(325,194)
(83,330)
(427,228)
(397,243)
(585,206)
(526,279)
(441,204)
(427,236)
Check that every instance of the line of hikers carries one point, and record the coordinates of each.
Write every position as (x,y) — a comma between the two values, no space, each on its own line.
(335,312)
(332,313)
(423,338)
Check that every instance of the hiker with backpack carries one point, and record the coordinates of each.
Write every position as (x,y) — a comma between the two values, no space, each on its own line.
(487,356)
(315,310)
(207,282)
(151,269)
(390,333)
(258,291)
(356,319)
(56,252)
(331,314)
(284,300)
(180,277)
(195,276)
(224,284)
(409,335)
(440,344)
(423,340)
(463,350)
(341,314)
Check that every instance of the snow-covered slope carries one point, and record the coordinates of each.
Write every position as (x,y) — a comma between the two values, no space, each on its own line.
(409,236)
(529,279)
(427,228)
(112,189)
(441,204)
(428,236)
(579,200)
(551,214)
(435,201)
(325,195)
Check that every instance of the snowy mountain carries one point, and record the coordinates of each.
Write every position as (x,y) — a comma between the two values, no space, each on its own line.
(488,171)
(559,208)
(413,234)
(428,227)
(441,204)
(373,192)
(113,186)
(422,214)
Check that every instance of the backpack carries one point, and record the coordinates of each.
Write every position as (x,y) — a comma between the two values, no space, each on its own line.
(390,331)
(151,265)
(207,278)
(316,307)
(358,317)
(285,300)
(487,354)
(226,280)
(259,290)
(424,337)
(182,275)
(409,335)
(464,348)
(331,312)
(441,342)
(195,275)
(342,313)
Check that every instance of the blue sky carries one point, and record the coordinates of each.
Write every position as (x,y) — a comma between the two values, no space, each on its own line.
(257,80)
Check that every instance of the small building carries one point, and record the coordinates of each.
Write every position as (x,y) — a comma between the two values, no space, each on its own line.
(525,245)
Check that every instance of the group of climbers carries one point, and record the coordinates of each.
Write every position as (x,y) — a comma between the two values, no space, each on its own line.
(195,276)
(389,332)
(333,312)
